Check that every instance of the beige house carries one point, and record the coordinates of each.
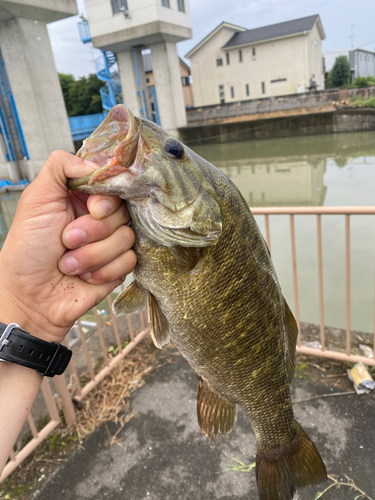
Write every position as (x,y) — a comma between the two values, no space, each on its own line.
(235,64)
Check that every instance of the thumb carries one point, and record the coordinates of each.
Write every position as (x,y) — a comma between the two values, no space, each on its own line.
(59,167)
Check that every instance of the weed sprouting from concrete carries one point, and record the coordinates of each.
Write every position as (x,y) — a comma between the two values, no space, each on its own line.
(238,466)
(337,483)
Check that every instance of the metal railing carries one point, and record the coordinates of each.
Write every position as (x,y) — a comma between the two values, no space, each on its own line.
(214,112)
(65,392)
(136,329)
(318,212)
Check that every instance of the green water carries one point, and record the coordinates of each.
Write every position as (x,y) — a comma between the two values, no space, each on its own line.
(326,170)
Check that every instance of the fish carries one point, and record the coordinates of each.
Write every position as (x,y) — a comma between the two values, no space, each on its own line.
(205,276)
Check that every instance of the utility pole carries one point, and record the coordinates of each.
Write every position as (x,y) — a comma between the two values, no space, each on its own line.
(352,36)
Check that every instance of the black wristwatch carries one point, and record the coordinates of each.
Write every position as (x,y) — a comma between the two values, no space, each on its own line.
(17,346)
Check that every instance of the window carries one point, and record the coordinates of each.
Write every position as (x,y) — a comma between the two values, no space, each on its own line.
(316,42)
(228,61)
(181,5)
(240,55)
(254,54)
(185,81)
(165,3)
(119,6)
(219,62)
(147,80)
(247,89)
(263,88)
(232,92)
(221,94)
(281,80)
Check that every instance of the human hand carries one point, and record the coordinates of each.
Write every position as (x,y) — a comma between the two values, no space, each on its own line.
(64,253)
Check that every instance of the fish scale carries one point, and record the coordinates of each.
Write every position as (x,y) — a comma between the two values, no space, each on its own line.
(210,286)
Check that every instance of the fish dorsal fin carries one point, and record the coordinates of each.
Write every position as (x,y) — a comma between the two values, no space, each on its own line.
(132,300)
(215,412)
(291,339)
(159,327)
(187,257)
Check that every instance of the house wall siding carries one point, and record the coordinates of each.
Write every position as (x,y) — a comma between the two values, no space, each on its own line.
(287,62)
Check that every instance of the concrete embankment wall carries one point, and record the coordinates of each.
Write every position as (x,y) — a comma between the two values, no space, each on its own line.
(229,111)
(341,120)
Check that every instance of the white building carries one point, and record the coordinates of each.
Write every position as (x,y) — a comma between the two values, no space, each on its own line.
(126,27)
(233,63)
(362,62)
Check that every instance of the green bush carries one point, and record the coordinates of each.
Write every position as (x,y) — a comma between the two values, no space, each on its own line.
(358,100)
(341,72)
(363,81)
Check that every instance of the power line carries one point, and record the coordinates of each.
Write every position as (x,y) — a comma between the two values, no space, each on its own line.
(367,43)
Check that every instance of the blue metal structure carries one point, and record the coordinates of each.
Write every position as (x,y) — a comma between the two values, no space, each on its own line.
(82,126)
(156,109)
(11,135)
(111,92)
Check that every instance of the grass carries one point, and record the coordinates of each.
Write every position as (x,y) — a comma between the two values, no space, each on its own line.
(349,483)
(359,100)
(237,466)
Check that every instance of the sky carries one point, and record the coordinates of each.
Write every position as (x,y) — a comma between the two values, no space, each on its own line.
(338,16)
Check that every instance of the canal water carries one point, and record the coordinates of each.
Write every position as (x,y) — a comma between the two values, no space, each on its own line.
(326,170)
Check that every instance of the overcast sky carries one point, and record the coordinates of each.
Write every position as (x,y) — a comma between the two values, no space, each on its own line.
(72,56)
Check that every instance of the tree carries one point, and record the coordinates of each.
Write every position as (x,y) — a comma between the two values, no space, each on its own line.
(65,81)
(341,71)
(82,96)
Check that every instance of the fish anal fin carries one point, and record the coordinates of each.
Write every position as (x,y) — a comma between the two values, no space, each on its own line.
(132,300)
(159,326)
(291,340)
(280,471)
(215,412)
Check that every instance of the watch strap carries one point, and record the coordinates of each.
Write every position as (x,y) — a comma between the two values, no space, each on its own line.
(18,346)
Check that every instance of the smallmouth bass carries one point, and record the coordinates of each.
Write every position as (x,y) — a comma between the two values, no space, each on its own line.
(205,275)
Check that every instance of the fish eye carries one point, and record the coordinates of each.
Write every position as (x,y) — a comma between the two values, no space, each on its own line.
(174,148)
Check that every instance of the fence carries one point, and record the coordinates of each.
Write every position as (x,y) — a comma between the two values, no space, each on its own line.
(137,328)
(223,111)
(318,212)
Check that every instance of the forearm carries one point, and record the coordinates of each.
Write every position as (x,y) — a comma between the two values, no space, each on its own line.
(18,389)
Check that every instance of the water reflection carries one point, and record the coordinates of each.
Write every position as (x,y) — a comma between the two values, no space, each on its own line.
(330,170)
(291,171)
(278,181)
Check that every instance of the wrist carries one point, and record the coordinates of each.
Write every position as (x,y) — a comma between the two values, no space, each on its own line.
(29,320)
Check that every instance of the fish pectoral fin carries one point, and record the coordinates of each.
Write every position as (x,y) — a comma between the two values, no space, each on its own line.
(215,412)
(159,326)
(291,340)
(187,257)
(132,300)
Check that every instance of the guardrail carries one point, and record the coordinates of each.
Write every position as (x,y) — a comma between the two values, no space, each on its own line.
(318,212)
(60,399)
(216,112)
(137,328)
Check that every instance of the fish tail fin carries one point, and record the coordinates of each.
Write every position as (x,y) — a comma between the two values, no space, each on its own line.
(279,472)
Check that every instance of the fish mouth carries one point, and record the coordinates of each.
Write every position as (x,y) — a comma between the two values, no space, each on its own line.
(113,146)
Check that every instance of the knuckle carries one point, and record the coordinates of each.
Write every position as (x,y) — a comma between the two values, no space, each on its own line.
(128,235)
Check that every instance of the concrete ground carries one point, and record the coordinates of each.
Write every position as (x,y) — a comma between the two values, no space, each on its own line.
(161,453)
